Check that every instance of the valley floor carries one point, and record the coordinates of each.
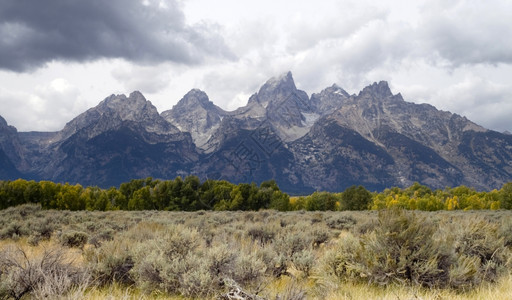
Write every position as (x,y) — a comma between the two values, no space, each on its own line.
(265,254)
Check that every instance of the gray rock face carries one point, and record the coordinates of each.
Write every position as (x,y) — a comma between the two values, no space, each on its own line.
(9,142)
(278,102)
(196,114)
(114,110)
(327,142)
(332,157)
(401,127)
(12,154)
(329,100)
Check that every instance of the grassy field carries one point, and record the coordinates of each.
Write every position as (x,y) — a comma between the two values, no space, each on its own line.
(263,255)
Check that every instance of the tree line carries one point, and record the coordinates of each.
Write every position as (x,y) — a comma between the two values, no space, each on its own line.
(415,197)
(190,194)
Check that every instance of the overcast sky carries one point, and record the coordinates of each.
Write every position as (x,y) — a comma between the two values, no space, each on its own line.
(60,57)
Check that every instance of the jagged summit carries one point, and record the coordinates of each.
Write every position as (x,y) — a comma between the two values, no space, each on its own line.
(196,114)
(338,90)
(281,104)
(276,89)
(285,80)
(377,90)
(329,99)
(115,110)
(194,97)
(128,106)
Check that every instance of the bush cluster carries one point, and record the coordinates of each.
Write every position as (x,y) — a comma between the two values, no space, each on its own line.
(195,257)
(407,248)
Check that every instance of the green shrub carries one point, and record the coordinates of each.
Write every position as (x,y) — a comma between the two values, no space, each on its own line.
(112,262)
(318,236)
(303,261)
(505,232)
(480,241)
(291,243)
(14,230)
(152,271)
(45,228)
(33,240)
(340,222)
(220,261)
(412,249)
(163,263)
(76,239)
(401,249)
(365,227)
(249,269)
(198,282)
(263,235)
(464,272)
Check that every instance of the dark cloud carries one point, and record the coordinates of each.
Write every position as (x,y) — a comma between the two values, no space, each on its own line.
(33,33)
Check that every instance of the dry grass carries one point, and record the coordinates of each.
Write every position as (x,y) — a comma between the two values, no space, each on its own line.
(497,291)
(340,291)
(119,292)
(75,256)
(261,240)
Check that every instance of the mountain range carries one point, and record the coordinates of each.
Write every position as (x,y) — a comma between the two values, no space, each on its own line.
(327,141)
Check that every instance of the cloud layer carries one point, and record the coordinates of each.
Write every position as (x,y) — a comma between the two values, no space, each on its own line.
(34,33)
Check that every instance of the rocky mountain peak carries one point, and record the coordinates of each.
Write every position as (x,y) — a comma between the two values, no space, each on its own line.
(137,96)
(276,89)
(329,99)
(337,90)
(285,80)
(129,108)
(377,90)
(11,151)
(193,99)
(6,130)
(334,89)
(116,109)
(3,122)
(196,114)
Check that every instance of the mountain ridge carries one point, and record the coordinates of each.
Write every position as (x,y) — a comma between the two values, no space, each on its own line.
(327,141)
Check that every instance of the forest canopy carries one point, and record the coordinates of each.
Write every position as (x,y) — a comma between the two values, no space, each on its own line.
(190,194)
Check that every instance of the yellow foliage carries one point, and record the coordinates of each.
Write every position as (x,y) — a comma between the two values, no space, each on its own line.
(293,200)
(495,205)
(452,203)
